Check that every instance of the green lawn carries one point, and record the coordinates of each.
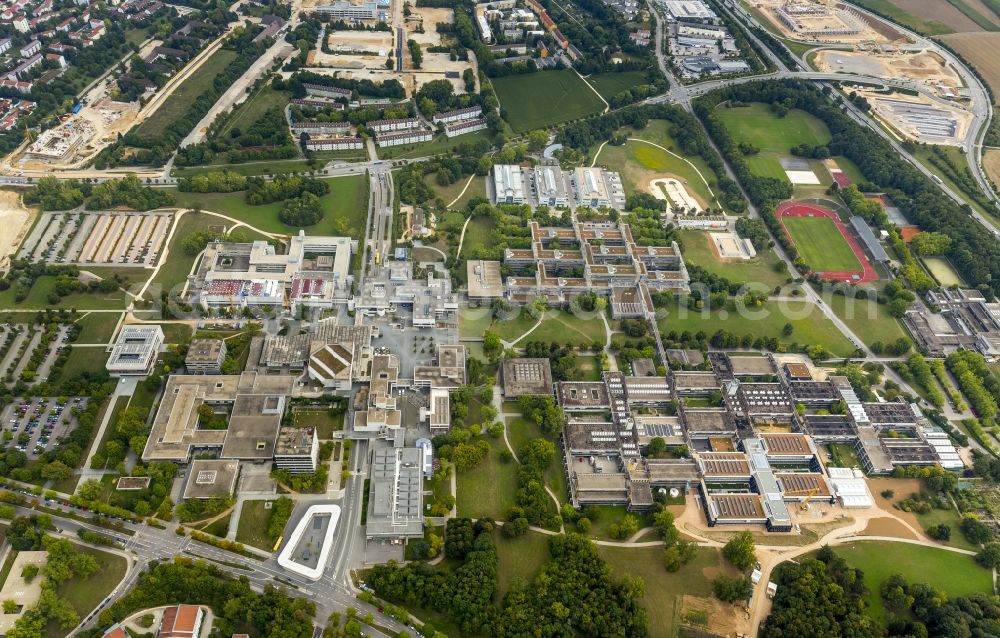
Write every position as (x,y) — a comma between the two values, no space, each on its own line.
(97,327)
(519,432)
(87,594)
(611,84)
(254,519)
(867,319)
(37,298)
(540,100)
(451,192)
(589,369)
(473,322)
(557,326)
(697,250)
(345,207)
(766,165)
(82,360)
(255,107)
(489,488)
(324,422)
(809,325)
(663,589)
(843,455)
(820,244)
(950,518)
(177,104)
(756,124)
(519,559)
(438,145)
(478,234)
(954,574)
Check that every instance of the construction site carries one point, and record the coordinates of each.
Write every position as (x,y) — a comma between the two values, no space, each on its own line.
(822,21)
(120,239)
(918,117)
(916,64)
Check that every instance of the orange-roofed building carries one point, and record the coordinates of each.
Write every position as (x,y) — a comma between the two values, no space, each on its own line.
(182,621)
(116,631)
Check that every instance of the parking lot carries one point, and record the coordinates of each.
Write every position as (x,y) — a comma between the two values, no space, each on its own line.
(35,425)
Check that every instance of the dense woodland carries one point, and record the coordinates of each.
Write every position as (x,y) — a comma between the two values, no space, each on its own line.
(574,595)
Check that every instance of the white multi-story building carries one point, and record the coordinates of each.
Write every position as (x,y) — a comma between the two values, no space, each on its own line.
(465,126)
(387,126)
(404,137)
(508,184)
(334,144)
(135,351)
(297,450)
(347,11)
(458,115)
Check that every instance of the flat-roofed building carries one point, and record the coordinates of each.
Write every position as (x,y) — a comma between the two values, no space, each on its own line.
(523,376)
(485,280)
(583,396)
(378,409)
(550,186)
(508,184)
(395,498)
(297,450)
(135,351)
(205,356)
(598,188)
(251,404)
(209,478)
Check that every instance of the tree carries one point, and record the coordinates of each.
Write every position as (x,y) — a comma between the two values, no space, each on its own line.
(739,551)
(974,530)
(732,589)
(989,557)
(10,606)
(940,532)
(656,447)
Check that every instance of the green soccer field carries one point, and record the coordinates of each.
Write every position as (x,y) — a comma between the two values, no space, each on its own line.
(820,244)
(539,100)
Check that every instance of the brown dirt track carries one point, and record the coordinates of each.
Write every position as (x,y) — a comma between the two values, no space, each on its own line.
(982,49)
(938,11)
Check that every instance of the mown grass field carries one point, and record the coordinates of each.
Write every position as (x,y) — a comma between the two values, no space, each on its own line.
(97,327)
(758,125)
(809,325)
(252,530)
(488,489)
(611,84)
(954,574)
(345,208)
(86,593)
(820,244)
(248,169)
(37,298)
(545,98)
(519,559)
(177,104)
(560,326)
(255,107)
(871,321)
(697,250)
(478,234)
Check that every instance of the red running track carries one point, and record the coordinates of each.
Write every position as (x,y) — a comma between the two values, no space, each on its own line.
(798,209)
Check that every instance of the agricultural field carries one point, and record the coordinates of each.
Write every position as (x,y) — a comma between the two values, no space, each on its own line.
(982,50)
(177,104)
(345,207)
(545,98)
(766,268)
(820,244)
(953,573)
(930,20)
(809,324)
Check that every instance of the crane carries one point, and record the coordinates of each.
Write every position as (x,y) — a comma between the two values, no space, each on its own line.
(809,493)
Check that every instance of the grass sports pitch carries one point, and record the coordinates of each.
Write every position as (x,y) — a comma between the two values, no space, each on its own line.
(820,243)
(539,100)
